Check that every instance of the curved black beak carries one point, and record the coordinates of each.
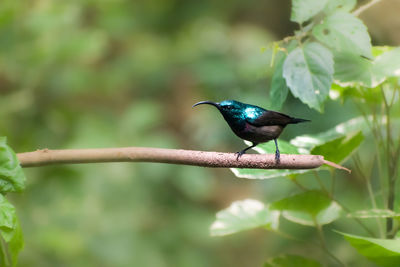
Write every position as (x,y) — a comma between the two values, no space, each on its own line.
(206,102)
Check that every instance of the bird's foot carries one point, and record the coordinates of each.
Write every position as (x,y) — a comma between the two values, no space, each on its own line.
(277,156)
(239,154)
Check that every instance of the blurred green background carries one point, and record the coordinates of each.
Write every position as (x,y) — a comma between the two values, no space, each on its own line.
(92,74)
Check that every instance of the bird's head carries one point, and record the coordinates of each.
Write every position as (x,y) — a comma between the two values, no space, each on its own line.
(224,106)
(230,109)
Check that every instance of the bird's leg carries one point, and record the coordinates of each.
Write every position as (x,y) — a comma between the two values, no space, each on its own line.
(277,153)
(240,153)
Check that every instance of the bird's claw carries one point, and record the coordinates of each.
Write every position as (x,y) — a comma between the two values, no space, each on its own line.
(277,156)
(239,154)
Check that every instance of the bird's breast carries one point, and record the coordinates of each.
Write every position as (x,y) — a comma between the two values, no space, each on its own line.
(260,134)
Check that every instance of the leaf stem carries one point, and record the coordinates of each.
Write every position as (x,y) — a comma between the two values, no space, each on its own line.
(374,127)
(357,163)
(299,185)
(391,167)
(316,175)
(323,242)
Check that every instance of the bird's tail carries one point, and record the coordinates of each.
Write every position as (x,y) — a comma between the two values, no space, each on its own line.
(296,120)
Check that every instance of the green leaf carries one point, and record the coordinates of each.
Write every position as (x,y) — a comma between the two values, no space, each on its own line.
(339,149)
(244,215)
(308,208)
(386,65)
(303,10)
(308,142)
(352,68)
(7,215)
(288,260)
(12,179)
(279,89)
(15,243)
(339,5)
(10,231)
(308,72)
(383,252)
(344,32)
(373,213)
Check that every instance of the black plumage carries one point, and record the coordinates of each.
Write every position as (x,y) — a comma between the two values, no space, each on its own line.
(253,123)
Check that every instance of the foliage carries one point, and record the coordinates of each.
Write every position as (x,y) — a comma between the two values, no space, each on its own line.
(332,55)
(383,252)
(12,180)
(291,260)
(242,215)
(77,74)
(91,74)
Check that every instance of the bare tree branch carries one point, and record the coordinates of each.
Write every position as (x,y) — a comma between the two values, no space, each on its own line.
(174,156)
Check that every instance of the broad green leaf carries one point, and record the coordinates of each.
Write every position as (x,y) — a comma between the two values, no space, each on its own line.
(344,32)
(303,10)
(288,260)
(12,179)
(373,213)
(7,215)
(386,65)
(308,72)
(308,142)
(339,149)
(10,231)
(279,89)
(244,215)
(383,252)
(308,208)
(15,242)
(268,148)
(352,69)
(339,5)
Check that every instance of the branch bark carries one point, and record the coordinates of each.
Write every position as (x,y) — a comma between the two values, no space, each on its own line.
(173,156)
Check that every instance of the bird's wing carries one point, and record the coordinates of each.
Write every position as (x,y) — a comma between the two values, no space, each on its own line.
(269,118)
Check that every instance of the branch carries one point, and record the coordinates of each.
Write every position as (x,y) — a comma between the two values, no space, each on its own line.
(173,156)
(362,8)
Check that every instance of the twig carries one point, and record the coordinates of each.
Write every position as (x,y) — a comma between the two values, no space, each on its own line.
(336,166)
(362,8)
(173,156)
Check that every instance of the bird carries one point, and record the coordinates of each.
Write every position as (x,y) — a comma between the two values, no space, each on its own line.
(253,123)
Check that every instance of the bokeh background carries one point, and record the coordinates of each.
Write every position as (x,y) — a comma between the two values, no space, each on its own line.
(92,74)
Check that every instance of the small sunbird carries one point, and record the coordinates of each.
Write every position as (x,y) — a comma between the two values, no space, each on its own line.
(253,123)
